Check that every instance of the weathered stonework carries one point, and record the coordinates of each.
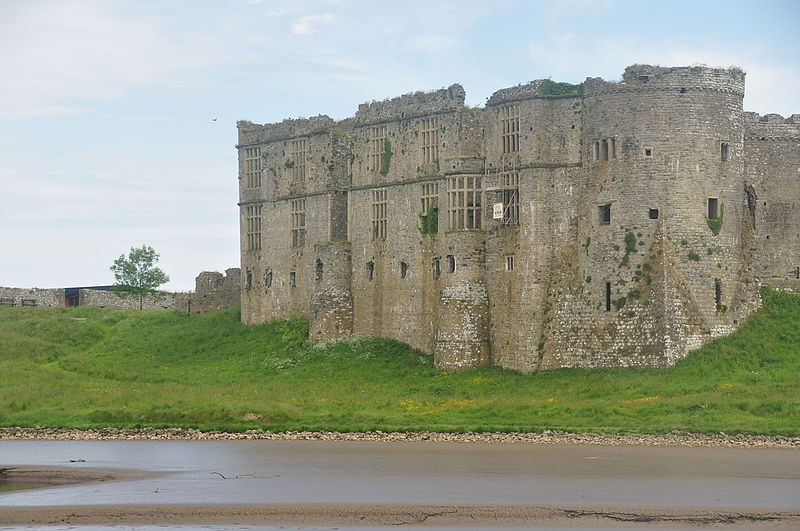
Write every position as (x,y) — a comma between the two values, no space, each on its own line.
(212,291)
(102,298)
(645,216)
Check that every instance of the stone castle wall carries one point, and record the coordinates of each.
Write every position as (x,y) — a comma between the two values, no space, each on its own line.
(559,285)
(44,297)
(162,300)
(212,291)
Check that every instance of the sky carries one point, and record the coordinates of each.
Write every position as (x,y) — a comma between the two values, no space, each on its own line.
(118,117)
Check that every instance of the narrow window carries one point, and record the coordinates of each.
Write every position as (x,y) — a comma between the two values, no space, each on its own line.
(683,90)
(596,150)
(370,270)
(509,125)
(713,208)
(377,147)
(252,167)
(604,149)
(292,279)
(653,213)
(298,222)
(608,296)
(268,278)
(379,214)
(298,160)
(612,148)
(464,202)
(718,293)
(604,214)
(429,140)
(253,222)
(318,267)
(723,151)
(451,263)
(648,152)
(436,268)
(797,273)
(509,263)
(403,269)
(249,279)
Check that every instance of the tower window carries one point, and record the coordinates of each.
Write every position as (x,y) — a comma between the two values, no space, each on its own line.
(268,278)
(370,270)
(318,270)
(510,263)
(713,208)
(451,263)
(436,268)
(403,269)
(653,213)
(604,214)
(292,279)
(723,151)
(718,293)
(509,123)
(249,279)
(648,152)
(608,296)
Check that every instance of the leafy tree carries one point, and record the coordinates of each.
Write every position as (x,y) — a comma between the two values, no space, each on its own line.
(137,275)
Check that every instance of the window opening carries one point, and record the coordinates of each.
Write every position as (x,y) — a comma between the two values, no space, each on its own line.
(379,214)
(596,150)
(293,279)
(249,279)
(318,270)
(713,208)
(403,269)
(298,222)
(376,147)
(509,124)
(464,202)
(723,151)
(718,293)
(252,167)
(370,270)
(509,263)
(797,273)
(509,184)
(653,213)
(298,153)
(436,268)
(429,140)
(430,208)
(608,296)
(604,149)
(253,222)
(648,152)
(604,214)
(451,263)
(268,278)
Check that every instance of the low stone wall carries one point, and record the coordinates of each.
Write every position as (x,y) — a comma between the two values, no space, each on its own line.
(45,297)
(108,299)
(213,291)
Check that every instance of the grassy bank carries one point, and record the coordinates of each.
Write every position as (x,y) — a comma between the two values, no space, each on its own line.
(91,367)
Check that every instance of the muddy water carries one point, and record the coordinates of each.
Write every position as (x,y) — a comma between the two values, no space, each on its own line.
(291,472)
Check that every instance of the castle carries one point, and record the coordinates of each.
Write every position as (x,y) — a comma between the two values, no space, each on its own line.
(595,225)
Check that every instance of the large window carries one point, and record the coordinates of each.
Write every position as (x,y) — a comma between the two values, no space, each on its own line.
(464,202)
(298,160)
(379,214)
(429,140)
(252,167)
(253,222)
(298,222)
(430,208)
(509,125)
(509,185)
(376,147)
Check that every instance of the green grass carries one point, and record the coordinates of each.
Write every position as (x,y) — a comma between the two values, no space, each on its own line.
(91,367)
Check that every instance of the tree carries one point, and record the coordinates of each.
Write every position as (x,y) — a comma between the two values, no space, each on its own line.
(137,275)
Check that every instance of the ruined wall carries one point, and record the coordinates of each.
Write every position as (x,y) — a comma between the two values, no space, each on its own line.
(772,174)
(44,297)
(108,299)
(558,285)
(213,291)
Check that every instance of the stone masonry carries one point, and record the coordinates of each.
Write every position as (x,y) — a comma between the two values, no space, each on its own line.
(594,225)
(213,291)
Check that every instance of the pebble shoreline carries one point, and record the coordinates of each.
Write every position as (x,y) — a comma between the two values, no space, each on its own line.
(719,440)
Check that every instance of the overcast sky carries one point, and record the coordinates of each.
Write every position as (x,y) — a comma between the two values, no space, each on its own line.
(118,118)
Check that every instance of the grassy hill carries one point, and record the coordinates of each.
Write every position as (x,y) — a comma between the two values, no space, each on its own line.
(91,367)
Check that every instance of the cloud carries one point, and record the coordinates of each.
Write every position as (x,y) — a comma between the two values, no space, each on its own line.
(435,43)
(310,24)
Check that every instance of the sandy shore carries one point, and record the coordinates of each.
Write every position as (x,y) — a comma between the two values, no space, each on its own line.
(719,440)
(49,476)
(399,515)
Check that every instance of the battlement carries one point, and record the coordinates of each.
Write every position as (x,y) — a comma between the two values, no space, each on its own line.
(251,133)
(538,88)
(411,105)
(647,78)
(771,126)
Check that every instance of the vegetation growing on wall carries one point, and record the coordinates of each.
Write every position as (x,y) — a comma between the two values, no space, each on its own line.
(715,224)
(386,161)
(548,87)
(429,221)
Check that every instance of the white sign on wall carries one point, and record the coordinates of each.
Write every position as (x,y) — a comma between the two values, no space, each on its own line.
(497,211)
